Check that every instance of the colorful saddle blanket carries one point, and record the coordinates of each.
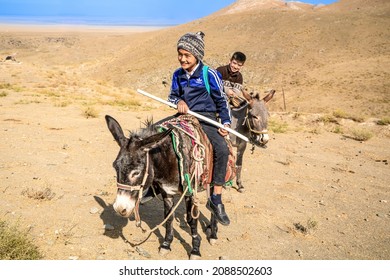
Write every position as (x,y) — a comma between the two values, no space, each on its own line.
(195,153)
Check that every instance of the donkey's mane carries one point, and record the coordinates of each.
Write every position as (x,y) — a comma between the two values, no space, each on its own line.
(149,129)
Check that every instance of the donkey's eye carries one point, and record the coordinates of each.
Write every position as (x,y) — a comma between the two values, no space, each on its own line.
(255,117)
(134,173)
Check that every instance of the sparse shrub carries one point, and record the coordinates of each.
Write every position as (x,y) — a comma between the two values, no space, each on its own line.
(5,86)
(124,103)
(383,121)
(310,227)
(3,94)
(50,93)
(361,134)
(25,102)
(10,87)
(45,194)
(356,119)
(338,113)
(91,112)
(343,115)
(338,129)
(328,119)
(15,244)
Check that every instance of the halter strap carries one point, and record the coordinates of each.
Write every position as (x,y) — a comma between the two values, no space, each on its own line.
(128,187)
(137,188)
(264,131)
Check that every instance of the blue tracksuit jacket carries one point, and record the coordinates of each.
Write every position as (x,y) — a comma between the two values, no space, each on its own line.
(194,93)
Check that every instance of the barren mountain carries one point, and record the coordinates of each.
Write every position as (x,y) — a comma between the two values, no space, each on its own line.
(322,58)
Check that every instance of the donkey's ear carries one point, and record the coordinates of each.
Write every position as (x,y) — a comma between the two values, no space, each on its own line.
(246,95)
(116,130)
(269,96)
(154,140)
(255,95)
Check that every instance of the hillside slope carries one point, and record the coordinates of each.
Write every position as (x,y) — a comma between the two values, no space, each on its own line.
(322,58)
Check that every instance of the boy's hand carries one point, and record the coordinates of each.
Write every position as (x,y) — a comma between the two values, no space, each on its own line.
(182,107)
(230,93)
(222,131)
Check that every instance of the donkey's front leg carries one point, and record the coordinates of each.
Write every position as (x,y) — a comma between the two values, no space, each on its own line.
(240,187)
(212,230)
(240,154)
(165,247)
(192,220)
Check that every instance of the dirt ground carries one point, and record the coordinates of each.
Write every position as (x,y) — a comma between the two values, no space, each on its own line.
(312,194)
(309,196)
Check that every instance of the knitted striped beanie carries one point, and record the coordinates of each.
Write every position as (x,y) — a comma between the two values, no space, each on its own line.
(193,43)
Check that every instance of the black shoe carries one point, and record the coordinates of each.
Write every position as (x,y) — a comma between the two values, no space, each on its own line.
(149,194)
(219,212)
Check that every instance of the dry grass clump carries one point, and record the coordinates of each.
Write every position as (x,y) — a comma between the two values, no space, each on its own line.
(277,127)
(46,194)
(124,103)
(338,129)
(361,134)
(383,121)
(343,115)
(8,86)
(90,112)
(5,86)
(26,102)
(15,244)
(328,119)
(309,228)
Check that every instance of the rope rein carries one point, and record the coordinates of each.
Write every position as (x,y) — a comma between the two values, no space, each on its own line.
(150,231)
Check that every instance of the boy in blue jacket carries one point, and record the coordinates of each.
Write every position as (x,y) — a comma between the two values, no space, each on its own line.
(189,92)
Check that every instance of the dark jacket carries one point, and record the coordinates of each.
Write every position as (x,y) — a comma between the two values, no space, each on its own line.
(194,93)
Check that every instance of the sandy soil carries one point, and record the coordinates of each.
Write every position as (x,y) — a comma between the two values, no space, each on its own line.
(335,187)
(312,194)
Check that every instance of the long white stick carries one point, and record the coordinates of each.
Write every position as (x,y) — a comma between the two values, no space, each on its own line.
(194,114)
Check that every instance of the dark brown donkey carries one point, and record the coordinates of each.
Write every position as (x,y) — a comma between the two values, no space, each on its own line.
(145,159)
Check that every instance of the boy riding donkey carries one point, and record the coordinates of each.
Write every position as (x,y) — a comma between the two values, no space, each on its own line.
(233,80)
(191,91)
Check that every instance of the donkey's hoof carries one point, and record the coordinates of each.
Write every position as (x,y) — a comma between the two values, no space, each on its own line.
(213,241)
(241,190)
(195,257)
(164,251)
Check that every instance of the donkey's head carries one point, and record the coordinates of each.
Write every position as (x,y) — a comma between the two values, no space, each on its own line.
(257,118)
(133,167)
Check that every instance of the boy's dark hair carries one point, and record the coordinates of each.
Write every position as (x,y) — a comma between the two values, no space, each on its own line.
(239,56)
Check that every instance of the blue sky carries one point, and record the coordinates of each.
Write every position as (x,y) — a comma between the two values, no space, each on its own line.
(117,11)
